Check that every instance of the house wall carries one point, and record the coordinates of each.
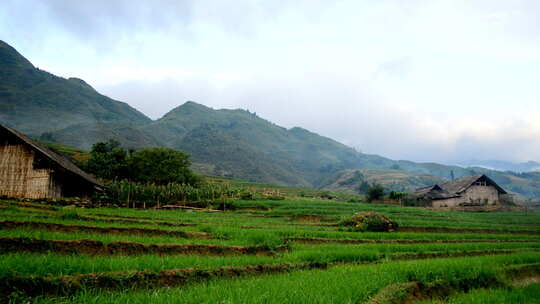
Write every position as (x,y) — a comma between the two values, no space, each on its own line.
(20,178)
(482,194)
(474,194)
(449,202)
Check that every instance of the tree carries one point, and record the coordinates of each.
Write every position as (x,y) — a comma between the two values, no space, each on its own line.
(363,187)
(161,166)
(375,192)
(107,160)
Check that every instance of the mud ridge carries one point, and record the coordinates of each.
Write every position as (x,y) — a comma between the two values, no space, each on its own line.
(93,247)
(410,292)
(132,221)
(447,254)
(36,206)
(6,224)
(465,230)
(65,285)
(350,241)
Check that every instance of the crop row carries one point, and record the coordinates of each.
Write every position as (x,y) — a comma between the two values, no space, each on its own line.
(342,284)
(58,264)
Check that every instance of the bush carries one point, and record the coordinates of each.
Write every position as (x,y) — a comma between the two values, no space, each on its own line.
(161,166)
(370,221)
(375,193)
(107,160)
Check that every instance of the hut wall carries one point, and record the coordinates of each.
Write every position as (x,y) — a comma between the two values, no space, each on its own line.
(18,175)
(449,202)
(474,194)
(482,194)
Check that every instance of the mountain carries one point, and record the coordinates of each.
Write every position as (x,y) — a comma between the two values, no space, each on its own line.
(233,143)
(500,165)
(352,181)
(36,102)
(239,143)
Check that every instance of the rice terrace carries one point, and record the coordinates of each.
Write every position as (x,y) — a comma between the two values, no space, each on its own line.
(264,250)
(269,152)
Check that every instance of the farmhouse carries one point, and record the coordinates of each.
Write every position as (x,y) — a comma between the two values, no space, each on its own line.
(472,190)
(29,170)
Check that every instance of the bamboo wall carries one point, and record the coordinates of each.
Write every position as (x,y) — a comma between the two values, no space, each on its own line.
(18,176)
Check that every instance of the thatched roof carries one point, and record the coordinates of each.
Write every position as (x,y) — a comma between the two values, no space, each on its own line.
(61,161)
(459,185)
(433,192)
(454,188)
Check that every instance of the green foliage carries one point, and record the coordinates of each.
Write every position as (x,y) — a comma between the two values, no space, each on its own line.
(375,192)
(394,195)
(150,194)
(369,221)
(108,160)
(363,187)
(161,166)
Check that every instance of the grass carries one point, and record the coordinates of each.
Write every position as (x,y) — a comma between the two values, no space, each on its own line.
(272,223)
(343,284)
(56,264)
(523,295)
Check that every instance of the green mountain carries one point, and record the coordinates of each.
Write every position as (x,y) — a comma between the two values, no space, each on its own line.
(36,102)
(241,144)
(352,181)
(234,143)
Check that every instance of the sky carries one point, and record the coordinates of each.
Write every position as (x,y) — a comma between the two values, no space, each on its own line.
(424,80)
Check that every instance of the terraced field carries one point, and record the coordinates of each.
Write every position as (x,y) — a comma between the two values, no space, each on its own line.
(288,251)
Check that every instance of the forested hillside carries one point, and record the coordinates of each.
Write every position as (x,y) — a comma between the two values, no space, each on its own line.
(233,143)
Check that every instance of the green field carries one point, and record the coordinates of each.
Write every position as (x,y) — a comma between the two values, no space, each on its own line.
(265,251)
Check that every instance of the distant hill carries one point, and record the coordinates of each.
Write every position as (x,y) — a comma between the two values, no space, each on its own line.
(232,143)
(36,102)
(239,143)
(500,165)
(393,180)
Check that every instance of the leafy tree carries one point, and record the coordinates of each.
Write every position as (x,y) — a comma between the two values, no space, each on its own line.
(395,195)
(363,187)
(161,166)
(107,160)
(375,192)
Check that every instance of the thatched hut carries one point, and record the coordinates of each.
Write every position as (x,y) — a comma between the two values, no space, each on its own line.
(30,170)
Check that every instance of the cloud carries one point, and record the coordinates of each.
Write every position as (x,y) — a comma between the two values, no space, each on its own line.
(352,115)
(421,80)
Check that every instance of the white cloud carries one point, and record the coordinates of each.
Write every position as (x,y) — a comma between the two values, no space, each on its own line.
(423,80)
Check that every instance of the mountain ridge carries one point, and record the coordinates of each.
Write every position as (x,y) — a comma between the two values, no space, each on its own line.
(234,143)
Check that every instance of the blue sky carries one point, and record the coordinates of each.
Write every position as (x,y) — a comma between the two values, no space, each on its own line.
(436,80)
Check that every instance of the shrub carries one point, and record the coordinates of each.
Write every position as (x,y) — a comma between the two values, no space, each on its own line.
(375,192)
(370,221)
(161,166)
(108,160)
